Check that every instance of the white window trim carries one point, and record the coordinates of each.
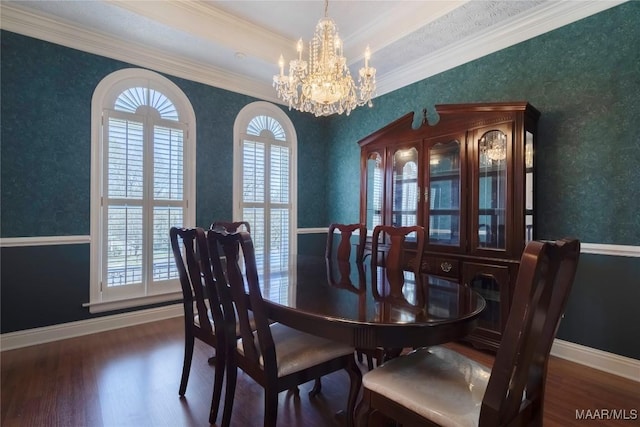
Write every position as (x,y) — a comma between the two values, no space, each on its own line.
(263,108)
(105,94)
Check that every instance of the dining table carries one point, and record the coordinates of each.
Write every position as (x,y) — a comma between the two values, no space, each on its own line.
(352,302)
(367,307)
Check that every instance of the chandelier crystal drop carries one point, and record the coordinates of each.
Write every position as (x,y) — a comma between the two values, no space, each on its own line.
(323,85)
(494,146)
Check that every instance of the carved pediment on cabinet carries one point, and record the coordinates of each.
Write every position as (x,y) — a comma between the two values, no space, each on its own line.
(452,117)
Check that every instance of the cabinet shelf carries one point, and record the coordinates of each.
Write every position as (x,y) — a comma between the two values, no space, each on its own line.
(445,175)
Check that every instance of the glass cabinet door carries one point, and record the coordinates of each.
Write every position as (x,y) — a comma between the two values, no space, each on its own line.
(529,172)
(405,189)
(444,194)
(492,282)
(374,194)
(492,190)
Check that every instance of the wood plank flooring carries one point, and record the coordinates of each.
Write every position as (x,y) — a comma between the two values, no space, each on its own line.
(130,377)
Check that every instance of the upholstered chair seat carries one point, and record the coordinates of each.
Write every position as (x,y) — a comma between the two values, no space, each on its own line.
(296,350)
(439,384)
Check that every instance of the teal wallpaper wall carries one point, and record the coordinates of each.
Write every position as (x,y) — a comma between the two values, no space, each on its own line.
(46,135)
(585,80)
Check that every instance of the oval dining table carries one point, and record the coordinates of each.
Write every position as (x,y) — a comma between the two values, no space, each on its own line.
(352,303)
(346,302)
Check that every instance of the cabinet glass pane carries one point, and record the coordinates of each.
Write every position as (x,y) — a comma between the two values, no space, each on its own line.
(374,190)
(444,194)
(489,289)
(443,298)
(405,188)
(492,191)
(528,160)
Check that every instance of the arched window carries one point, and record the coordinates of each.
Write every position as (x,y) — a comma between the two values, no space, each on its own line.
(265,189)
(143,136)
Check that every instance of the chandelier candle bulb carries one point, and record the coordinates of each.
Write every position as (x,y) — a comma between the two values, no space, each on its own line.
(299,48)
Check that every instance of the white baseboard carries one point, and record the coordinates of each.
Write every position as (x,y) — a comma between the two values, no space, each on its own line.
(598,359)
(608,362)
(13,340)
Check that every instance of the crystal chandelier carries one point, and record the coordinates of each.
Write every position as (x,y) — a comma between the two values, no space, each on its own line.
(323,85)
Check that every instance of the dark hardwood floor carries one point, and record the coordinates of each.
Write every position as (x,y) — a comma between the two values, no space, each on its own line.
(130,377)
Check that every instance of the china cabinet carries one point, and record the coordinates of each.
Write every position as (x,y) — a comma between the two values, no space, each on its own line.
(469,180)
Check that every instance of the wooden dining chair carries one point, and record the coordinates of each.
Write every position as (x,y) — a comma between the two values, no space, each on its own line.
(276,356)
(391,256)
(438,386)
(390,250)
(338,255)
(343,250)
(203,317)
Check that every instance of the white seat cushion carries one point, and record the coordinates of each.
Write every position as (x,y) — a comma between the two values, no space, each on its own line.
(437,383)
(296,350)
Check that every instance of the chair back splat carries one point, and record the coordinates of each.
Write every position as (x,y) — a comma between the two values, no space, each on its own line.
(343,251)
(390,248)
(451,389)
(338,258)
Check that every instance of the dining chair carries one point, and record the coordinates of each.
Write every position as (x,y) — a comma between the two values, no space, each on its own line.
(438,386)
(232,227)
(390,250)
(391,257)
(338,255)
(203,317)
(343,250)
(276,356)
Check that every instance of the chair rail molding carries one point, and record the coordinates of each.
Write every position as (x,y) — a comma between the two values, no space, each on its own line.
(608,249)
(12,242)
(9,242)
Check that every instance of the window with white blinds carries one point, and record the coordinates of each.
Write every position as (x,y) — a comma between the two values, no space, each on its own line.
(140,189)
(265,187)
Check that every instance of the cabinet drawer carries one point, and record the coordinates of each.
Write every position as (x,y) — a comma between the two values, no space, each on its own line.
(441,266)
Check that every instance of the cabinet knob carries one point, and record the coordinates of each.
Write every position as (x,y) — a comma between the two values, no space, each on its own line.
(446,266)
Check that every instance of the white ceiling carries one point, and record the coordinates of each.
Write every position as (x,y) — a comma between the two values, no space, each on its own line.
(235,45)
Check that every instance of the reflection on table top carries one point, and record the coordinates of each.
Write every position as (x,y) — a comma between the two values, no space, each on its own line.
(346,301)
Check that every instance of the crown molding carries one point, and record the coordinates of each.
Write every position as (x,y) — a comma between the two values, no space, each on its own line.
(546,18)
(229,30)
(44,28)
